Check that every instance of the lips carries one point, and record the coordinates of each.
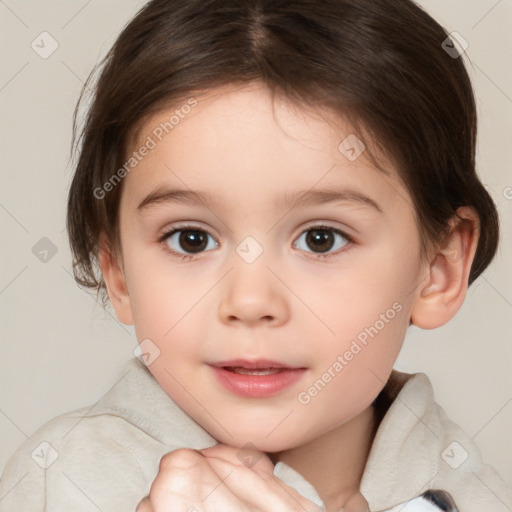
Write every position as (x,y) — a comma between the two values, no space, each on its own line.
(253,371)
(259,363)
(257,379)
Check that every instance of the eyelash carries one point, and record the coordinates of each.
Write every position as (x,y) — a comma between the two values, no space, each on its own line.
(188,257)
(183,257)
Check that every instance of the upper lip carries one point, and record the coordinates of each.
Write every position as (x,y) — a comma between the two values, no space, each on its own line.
(258,363)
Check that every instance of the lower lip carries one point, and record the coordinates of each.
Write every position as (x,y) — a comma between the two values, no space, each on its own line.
(258,386)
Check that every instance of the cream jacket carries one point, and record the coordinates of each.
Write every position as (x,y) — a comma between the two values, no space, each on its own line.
(105,457)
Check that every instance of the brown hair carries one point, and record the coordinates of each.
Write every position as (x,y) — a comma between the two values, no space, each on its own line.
(379,63)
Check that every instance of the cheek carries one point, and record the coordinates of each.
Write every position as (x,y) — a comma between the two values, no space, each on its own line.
(368,295)
(173,308)
(349,374)
(160,296)
(367,312)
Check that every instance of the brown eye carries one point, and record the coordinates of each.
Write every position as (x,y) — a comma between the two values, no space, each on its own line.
(321,240)
(190,241)
(193,241)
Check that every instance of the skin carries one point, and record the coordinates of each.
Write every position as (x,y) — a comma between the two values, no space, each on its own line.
(289,305)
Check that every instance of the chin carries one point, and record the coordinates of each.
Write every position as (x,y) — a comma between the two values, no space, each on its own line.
(258,440)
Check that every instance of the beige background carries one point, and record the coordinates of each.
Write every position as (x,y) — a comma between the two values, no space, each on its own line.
(60,350)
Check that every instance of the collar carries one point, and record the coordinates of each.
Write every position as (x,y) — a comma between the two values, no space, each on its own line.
(407,430)
(400,464)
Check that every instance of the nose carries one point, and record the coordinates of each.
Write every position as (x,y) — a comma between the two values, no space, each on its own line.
(253,295)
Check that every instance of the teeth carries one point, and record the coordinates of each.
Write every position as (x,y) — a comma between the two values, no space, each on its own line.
(255,371)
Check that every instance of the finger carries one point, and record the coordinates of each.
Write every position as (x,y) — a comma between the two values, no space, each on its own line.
(186,481)
(144,506)
(260,492)
(246,456)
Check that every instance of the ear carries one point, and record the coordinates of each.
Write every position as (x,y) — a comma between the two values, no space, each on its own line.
(113,275)
(442,293)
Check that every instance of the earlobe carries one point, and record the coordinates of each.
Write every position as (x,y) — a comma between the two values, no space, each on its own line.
(442,293)
(114,278)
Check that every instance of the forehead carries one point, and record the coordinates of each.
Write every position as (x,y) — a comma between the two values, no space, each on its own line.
(240,139)
(226,116)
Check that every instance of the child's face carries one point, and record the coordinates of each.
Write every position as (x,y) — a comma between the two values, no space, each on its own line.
(288,305)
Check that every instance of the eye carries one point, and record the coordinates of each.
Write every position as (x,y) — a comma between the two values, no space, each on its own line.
(189,240)
(321,240)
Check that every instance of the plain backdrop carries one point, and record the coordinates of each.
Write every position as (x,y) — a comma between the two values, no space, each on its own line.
(60,350)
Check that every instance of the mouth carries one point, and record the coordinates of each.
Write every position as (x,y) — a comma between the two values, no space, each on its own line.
(258,379)
(247,371)
(255,367)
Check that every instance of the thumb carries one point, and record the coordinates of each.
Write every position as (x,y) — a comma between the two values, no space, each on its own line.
(144,506)
(248,456)
(356,503)
(258,461)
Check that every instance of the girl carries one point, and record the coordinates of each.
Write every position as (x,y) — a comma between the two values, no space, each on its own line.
(271,192)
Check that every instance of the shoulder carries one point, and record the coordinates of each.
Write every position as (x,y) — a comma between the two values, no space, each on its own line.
(417,447)
(75,459)
(104,456)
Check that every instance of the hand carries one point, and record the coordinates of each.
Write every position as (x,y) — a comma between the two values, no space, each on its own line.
(356,503)
(216,479)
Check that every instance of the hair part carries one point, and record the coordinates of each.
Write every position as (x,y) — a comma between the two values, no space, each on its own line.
(377,63)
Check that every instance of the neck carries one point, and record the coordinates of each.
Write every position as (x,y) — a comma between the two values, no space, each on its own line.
(334,462)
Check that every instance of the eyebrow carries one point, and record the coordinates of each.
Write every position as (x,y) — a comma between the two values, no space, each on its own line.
(289,201)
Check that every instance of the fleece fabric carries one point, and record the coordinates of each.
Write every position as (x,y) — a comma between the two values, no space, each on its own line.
(105,457)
